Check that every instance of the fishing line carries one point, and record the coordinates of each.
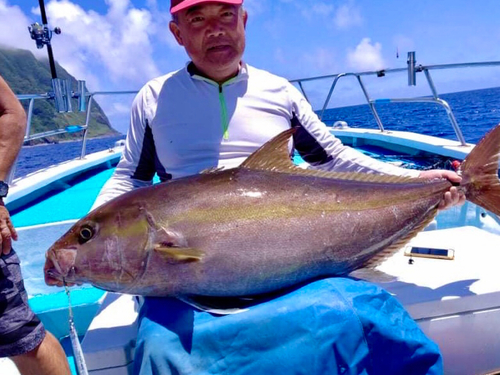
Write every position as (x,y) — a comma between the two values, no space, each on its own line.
(81,366)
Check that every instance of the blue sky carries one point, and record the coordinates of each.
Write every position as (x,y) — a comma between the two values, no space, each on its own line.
(121,44)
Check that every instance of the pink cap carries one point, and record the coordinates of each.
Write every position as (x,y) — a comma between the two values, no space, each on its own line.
(177,5)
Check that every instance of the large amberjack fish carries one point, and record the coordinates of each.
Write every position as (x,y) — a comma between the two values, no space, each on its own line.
(258,228)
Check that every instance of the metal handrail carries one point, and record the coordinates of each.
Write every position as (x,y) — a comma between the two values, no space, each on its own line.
(381,73)
(89,107)
(83,128)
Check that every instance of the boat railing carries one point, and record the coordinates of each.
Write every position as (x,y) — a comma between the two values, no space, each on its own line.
(91,97)
(412,69)
(62,96)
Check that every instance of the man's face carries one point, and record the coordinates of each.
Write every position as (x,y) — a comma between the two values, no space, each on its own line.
(213,35)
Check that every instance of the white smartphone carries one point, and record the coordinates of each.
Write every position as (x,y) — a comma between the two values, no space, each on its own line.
(429,252)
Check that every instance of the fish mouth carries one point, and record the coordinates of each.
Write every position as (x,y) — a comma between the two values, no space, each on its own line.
(59,266)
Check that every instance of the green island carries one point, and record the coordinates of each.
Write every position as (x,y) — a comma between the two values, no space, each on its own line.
(28,75)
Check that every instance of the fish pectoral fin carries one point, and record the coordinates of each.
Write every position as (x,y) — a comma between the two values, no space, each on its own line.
(173,246)
(180,254)
(170,238)
(217,305)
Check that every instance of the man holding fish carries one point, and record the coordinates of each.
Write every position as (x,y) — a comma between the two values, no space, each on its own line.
(210,115)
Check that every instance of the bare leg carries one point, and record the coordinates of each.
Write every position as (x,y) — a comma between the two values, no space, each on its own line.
(48,358)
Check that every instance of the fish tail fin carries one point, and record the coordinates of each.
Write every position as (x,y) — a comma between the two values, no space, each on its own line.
(480,172)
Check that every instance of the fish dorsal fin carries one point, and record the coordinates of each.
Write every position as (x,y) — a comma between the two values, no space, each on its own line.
(274,156)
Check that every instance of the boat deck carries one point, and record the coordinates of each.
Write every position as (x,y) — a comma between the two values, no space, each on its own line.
(454,300)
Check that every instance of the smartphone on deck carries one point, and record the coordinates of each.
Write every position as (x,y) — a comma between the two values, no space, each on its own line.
(429,252)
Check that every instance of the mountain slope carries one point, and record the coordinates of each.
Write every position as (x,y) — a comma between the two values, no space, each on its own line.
(27,75)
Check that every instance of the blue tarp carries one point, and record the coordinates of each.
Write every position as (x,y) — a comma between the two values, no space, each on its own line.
(331,326)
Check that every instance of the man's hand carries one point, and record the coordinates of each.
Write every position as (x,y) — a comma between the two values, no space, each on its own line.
(7,231)
(453,196)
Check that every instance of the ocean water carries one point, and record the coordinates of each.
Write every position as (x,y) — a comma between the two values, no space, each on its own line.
(476,112)
(33,158)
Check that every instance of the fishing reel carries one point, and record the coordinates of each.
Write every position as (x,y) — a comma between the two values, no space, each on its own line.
(41,34)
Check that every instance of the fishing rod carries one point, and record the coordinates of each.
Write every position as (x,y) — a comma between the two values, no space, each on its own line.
(42,36)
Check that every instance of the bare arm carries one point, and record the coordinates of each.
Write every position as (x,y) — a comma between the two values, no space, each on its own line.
(12,128)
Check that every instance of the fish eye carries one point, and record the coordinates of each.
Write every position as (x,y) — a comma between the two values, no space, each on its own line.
(86,233)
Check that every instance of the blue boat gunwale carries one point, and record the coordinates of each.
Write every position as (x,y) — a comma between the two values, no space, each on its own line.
(26,190)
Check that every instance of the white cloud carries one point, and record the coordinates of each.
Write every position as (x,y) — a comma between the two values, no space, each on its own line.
(347,15)
(255,7)
(322,9)
(321,60)
(14,32)
(344,16)
(366,56)
(114,49)
(317,10)
(160,15)
(119,41)
(121,108)
(316,62)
